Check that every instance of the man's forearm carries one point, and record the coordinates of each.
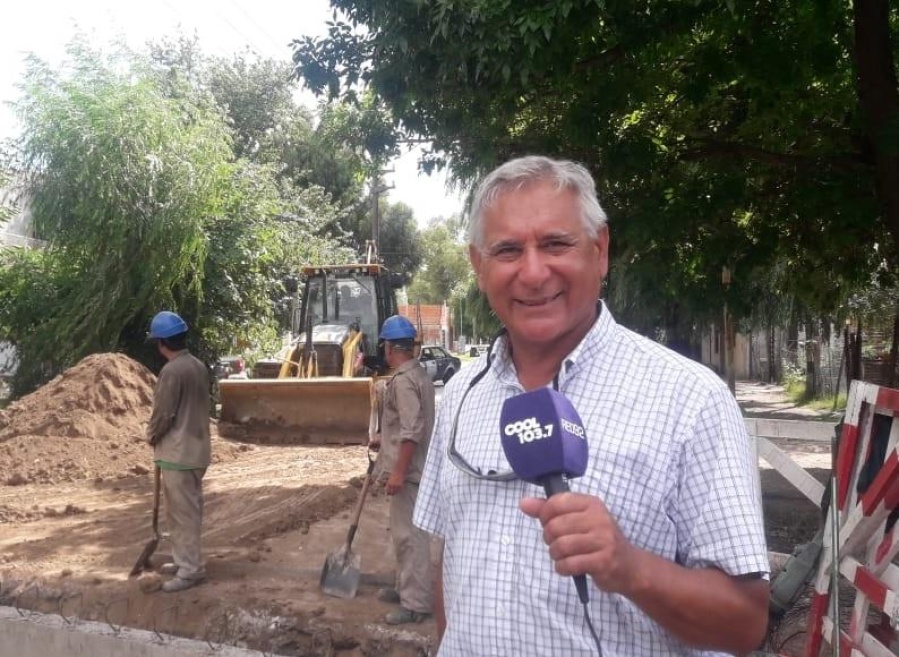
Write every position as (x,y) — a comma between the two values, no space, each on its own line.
(404,457)
(158,426)
(702,607)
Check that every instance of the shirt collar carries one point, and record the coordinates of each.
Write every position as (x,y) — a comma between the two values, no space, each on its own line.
(595,339)
(408,365)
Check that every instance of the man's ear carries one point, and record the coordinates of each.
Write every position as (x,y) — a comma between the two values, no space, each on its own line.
(602,248)
(474,255)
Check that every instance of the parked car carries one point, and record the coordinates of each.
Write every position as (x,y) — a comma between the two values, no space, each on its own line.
(478,350)
(230,367)
(439,363)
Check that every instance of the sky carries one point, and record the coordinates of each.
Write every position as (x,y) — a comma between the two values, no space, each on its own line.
(224,27)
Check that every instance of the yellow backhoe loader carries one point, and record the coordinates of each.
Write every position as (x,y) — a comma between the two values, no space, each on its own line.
(320,387)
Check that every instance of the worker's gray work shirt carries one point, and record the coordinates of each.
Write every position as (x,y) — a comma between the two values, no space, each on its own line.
(408,415)
(180,419)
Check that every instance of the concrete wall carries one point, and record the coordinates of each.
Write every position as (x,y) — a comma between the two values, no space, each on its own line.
(29,634)
(712,352)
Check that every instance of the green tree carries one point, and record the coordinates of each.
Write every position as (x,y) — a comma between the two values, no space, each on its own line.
(720,132)
(444,263)
(399,239)
(319,177)
(267,125)
(144,207)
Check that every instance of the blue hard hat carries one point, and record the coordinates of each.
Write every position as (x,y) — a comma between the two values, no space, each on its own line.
(397,327)
(166,324)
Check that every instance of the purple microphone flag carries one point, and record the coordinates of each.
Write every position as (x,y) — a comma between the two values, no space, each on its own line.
(543,435)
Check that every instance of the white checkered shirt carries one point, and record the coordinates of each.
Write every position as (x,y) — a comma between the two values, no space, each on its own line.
(669,457)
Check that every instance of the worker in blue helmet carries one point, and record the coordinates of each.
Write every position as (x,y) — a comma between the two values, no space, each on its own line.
(179,433)
(406,423)
(397,329)
(166,324)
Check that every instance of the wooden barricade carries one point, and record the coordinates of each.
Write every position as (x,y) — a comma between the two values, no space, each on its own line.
(867,495)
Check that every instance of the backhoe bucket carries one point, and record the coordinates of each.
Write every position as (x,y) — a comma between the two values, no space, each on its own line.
(323,410)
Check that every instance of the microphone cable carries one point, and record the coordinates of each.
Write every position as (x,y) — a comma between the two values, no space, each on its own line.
(591,628)
(580,581)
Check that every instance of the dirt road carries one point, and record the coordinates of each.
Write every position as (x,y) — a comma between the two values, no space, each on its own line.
(273,514)
(75,510)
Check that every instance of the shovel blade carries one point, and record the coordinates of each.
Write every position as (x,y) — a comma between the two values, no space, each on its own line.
(341,574)
(143,561)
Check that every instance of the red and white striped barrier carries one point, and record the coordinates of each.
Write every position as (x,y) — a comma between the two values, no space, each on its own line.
(867,483)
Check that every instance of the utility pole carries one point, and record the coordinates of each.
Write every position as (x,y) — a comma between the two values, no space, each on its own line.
(378,189)
(461,316)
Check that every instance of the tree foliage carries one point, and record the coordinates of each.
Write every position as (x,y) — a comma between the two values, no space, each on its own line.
(721,133)
(122,181)
(267,126)
(400,246)
(135,184)
(445,268)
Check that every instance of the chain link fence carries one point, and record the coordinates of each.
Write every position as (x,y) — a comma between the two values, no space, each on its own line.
(774,357)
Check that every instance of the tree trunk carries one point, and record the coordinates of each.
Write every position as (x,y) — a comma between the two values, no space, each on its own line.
(879,100)
(772,364)
(793,342)
(848,359)
(811,359)
(857,353)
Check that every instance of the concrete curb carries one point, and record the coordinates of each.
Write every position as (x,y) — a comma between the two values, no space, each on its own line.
(32,634)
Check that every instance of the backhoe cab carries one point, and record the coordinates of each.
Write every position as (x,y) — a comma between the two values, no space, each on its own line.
(319,388)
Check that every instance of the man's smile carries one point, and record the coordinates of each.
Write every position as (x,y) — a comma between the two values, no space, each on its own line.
(539,301)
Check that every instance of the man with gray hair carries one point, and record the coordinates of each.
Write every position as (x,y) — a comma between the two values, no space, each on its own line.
(666,522)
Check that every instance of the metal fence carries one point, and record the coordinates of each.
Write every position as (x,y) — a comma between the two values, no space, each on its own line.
(790,356)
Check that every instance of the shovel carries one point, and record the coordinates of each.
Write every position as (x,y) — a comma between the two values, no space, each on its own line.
(143,561)
(340,575)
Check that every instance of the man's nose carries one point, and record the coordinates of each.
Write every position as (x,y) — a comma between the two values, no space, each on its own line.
(533,268)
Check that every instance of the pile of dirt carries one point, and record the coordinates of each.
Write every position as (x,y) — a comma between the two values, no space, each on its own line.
(104,395)
(87,423)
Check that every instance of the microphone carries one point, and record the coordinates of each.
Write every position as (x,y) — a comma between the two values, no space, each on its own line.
(545,442)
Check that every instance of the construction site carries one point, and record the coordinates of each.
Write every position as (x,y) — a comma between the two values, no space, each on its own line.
(75,508)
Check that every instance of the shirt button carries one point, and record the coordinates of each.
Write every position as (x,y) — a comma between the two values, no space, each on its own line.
(505,540)
(500,610)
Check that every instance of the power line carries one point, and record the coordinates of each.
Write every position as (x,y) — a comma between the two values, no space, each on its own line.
(258,26)
(179,17)
(254,48)
(243,37)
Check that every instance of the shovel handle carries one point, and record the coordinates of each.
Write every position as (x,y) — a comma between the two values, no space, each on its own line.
(157,474)
(352,533)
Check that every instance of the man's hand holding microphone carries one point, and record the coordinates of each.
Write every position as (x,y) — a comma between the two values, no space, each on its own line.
(583,538)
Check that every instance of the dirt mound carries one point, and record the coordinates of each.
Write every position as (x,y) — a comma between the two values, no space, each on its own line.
(87,423)
(103,395)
